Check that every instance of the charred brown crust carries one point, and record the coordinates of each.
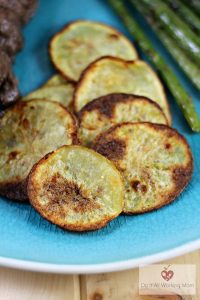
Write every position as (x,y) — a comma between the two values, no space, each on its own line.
(114,149)
(32,195)
(181,176)
(67,27)
(61,191)
(93,65)
(101,138)
(106,104)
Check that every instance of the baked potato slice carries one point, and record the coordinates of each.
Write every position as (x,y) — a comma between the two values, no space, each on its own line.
(76,188)
(106,111)
(28,131)
(57,79)
(113,75)
(155,160)
(62,94)
(81,42)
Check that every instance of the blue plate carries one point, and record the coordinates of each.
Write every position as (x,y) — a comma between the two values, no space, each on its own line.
(28,241)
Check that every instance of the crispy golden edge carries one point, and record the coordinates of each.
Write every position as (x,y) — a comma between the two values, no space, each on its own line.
(32,194)
(67,27)
(181,176)
(17,190)
(93,65)
(106,104)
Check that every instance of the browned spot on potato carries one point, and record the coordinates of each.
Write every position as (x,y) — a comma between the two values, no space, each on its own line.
(63,194)
(167,146)
(143,188)
(135,184)
(181,176)
(25,123)
(13,155)
(114,149)
(106,109)
(99,190)
(114,36)
(104,105)
(75,42)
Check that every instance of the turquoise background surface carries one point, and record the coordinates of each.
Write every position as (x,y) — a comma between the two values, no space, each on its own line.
(25,235)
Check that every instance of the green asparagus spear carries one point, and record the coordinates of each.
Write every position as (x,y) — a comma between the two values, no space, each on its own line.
(181,97)
(183,35)
(186,13)
(188,66)
(195,5)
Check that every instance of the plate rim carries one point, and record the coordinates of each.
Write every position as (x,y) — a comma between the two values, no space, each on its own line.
(101,267)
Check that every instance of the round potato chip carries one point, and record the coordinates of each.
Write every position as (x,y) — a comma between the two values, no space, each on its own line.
(28,131)
(113,75)
(59,93)
(76,188)
(81,42)
(155,160)
(55,80)
(106,111)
